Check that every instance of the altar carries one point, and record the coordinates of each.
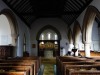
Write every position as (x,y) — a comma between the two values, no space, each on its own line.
(48,53)
(48,48)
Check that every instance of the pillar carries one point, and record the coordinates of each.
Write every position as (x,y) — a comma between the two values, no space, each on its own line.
(87,49)
(76,47)
(14,39)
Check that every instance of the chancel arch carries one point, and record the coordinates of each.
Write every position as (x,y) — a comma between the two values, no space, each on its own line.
(48,39)
(90,15)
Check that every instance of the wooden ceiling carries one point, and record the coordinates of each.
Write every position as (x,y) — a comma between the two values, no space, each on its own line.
(30,10)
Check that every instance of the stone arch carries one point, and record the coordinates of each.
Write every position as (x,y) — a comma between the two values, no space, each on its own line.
(48,27)
(90,15)
(13,24)
(76,33)
(76,36)
(70,37)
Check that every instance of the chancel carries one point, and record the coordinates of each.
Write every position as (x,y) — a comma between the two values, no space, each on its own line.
(49,37)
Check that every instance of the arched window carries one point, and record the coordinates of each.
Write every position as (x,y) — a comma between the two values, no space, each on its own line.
(42,36)
(49,36)
(56,37)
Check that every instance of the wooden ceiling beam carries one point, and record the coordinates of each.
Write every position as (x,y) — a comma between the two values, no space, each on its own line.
(60,13)
(78,2)
(72,5)
(14,2)
(82,2)
(74,2)
(67,4)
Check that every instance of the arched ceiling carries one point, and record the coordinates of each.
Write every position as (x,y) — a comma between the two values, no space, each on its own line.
(30,10)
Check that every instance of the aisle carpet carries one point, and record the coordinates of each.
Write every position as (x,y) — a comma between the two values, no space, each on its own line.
(48,65)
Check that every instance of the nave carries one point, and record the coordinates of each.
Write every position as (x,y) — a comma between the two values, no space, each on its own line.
(60,65)
(27,66)
(49,66)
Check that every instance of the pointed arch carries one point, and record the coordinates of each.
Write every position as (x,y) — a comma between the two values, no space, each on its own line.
(48,27)
(90,15)
(70,37)
(76,32)
(13,24)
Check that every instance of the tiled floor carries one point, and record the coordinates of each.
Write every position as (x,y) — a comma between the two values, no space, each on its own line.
(48,65)
(48,70)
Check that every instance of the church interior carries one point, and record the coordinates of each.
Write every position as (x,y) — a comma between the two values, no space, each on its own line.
(49,37)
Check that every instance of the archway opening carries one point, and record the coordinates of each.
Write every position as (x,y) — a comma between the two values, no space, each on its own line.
(8,34)
(48,42)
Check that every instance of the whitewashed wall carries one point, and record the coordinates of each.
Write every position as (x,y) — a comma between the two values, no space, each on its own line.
(5,31)
(22,29)
(60,25)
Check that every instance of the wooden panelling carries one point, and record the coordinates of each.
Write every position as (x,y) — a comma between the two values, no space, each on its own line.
(6,51)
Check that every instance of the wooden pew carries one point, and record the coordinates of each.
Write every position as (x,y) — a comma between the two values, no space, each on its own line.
(32,61)
(15,70)
(14,73)
(82,70)
(63,64)
(62,61)
(21,63)
(38,60)
(17,66)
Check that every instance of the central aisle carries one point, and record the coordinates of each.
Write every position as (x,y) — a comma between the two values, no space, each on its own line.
(48,69)
(48,65)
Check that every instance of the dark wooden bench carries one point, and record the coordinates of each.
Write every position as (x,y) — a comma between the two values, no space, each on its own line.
(14,73)
(20,63)
(23,61)
(82,70)
(70,60)
(15,70)
(19,67)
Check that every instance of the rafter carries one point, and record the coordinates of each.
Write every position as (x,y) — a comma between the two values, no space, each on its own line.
(29,10)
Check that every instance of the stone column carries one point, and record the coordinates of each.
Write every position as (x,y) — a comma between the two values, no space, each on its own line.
(76,47)
(14,39)
(87,49)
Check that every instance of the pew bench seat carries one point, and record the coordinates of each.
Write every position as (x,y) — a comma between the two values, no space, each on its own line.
(14,73)
(82,70)
(11,69)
